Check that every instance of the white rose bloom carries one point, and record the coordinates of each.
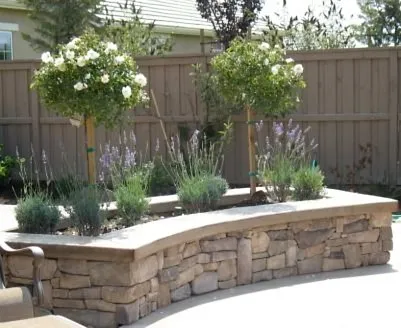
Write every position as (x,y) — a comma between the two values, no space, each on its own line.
(298,69)
(143,96)
(266,62)
(289,60)
(275,69)
(92,54)
(110,46)
(59,61)
(60,64)
(105,78)
(87,76)
(47,58)
(119,60)
(141,80)
(72,44)
(81,61)
(79,86)
(70,54)
(127,92)
(264,46)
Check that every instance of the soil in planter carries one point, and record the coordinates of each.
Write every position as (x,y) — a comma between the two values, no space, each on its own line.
(114,223)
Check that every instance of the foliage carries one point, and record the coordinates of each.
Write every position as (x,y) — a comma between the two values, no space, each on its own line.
(131,199)
(308,183)
(201,192)
(85,210)
(121,163)
(59,21)
(36,214)
(324,31)
(7,163)
(250,73)
(280,156)
(161,183)
(218,110)
(92,78)
(199,158)
(381,24)
(277,178)
(66,185)
(195,169)
(132,35)
(230,18)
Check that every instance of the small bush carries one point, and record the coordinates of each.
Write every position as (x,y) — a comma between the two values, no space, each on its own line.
(36,214)
(7,163)
(161,183)
(200,193)
(85,211)
(131,201)
(277,179)
(308,183)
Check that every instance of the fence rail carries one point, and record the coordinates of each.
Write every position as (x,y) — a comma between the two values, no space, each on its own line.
(351,101)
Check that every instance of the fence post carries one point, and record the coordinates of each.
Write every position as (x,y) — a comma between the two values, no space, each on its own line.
(35,116)
(393,124)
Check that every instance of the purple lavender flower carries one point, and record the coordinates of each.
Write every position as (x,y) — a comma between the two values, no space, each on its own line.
(278,128)
(130,159)
(105,159)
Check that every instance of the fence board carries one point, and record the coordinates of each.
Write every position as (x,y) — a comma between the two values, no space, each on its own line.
(351,99)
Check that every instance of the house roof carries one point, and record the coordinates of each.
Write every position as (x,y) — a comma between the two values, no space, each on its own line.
(170,15)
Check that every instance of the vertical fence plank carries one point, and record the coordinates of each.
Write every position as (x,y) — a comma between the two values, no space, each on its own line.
(394,124)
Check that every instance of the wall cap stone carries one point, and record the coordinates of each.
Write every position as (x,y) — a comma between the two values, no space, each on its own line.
(143,240)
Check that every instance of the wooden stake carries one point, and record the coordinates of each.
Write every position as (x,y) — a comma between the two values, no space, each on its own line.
(251,150)
(161,124)
(90,148)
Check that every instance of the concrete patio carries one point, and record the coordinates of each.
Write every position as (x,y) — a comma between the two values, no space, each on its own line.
(332,300)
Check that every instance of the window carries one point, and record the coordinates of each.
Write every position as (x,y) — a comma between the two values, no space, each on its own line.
(6,49)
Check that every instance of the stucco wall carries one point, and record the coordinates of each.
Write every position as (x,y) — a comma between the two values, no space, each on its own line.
(22,49)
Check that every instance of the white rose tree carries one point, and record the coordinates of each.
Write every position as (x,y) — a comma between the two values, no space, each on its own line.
(90,80)
(261,80)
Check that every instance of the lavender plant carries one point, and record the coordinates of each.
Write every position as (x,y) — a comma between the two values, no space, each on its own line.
(196,171)
(130,177)
(281,156)
(122,162)
(35,211)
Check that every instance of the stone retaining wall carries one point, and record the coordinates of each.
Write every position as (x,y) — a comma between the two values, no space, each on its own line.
(105,294)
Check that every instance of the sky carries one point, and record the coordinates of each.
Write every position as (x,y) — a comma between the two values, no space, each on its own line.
(298,7)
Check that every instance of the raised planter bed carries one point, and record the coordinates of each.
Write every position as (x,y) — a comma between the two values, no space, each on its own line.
(122,276)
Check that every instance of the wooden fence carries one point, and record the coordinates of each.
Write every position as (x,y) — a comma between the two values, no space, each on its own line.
(351,101)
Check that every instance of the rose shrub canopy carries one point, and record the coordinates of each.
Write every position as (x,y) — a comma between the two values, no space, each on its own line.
(92,78)
(252,73)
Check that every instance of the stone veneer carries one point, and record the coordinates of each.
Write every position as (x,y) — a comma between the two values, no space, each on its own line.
(106,293)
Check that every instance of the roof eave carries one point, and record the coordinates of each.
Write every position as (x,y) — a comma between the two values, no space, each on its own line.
(12,5)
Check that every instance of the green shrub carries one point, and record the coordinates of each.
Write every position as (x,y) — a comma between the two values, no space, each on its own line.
(308,183)
(7,163)
(131,199)
(161,183)
(36,214)
(277,179)
(200,193)
(85,211)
